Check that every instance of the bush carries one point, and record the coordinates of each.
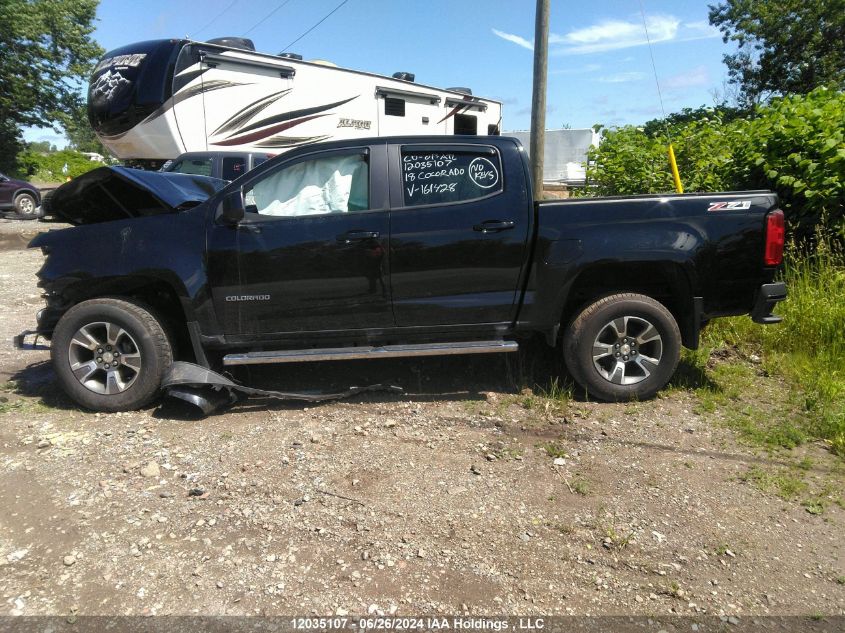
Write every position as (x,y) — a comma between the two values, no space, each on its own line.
(794,146)
(48,167)
(632,160)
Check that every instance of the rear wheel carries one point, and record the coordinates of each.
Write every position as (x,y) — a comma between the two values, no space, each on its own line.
(623,347)
(110,354)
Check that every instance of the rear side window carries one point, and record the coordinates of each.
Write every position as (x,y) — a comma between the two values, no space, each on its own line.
(442,177)
(233,167)
(198,166)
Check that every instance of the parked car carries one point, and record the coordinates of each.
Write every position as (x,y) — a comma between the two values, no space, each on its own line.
(387,247)
(19,196)
(225,165)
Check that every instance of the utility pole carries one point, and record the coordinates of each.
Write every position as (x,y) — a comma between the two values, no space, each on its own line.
(538,98)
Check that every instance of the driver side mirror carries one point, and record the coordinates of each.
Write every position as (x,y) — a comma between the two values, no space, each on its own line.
(231,209)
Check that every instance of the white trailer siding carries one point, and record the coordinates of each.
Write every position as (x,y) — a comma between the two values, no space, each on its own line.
(238,100)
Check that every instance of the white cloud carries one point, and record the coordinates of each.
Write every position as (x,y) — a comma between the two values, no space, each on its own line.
(516,39)
(698,76)
(619,78)
(576,70)
(611,35)
(702,28)
(616,34)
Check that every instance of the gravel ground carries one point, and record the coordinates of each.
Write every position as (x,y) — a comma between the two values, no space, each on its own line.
(462,495)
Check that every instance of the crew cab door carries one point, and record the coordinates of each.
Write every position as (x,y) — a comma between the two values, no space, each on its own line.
(459,232)
(311,249)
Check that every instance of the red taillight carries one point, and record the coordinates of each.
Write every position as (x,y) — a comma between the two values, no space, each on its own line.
(775,237)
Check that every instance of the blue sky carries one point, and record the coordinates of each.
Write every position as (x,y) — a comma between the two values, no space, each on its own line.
(599,66)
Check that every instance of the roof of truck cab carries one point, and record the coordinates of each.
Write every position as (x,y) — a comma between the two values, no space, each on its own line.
(408,140)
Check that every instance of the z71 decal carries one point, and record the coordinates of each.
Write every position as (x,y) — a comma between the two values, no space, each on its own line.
(735,205)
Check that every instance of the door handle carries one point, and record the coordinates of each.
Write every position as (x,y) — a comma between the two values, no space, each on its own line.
(357,236)
(494,226)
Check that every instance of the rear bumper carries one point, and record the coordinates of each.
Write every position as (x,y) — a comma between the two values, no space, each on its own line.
(767,298)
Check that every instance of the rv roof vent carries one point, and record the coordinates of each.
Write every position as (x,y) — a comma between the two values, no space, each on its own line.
(323,62)
(234,42)
(465,91)
(296,56)
(404,76)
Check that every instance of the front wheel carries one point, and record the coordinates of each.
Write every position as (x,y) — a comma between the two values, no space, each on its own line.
(622,347)
(110,354)
(26,207)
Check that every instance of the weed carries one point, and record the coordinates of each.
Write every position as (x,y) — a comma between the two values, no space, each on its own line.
(814,506)
(840,580)
(784,483)
(723,549)
(22,405)
(555,449)
(580,486)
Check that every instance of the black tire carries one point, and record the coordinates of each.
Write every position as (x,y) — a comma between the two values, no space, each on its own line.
(593,347)
(143,342)
(46,201)
(26,207)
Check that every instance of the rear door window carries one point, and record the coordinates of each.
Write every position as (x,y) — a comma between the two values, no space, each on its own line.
(434,176)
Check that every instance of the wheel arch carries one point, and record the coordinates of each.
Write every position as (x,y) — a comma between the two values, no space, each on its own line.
(34,193)
(158,294)
(666,282)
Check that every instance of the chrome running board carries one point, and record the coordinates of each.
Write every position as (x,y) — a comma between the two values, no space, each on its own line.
(384,351)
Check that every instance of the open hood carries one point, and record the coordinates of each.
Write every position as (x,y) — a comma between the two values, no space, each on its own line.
(116,193)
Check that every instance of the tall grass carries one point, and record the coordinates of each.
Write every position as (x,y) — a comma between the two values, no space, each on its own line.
(808,347)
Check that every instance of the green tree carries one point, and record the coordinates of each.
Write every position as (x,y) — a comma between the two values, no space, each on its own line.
(42,147)
(79,132)
(46,52)
(783,46)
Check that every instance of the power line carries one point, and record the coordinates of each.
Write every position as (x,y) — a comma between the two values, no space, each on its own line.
(654,66)
(326,17)
(266,17)
(215,18)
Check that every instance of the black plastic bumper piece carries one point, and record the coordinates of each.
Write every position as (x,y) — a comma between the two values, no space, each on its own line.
(211,391)
(20,341)
(767,298)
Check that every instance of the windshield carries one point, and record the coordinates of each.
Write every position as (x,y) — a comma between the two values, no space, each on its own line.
(197,166)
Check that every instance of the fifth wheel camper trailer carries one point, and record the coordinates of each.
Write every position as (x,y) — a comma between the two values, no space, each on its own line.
(151,101)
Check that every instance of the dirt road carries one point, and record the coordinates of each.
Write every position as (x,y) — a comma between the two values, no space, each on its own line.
(465,494)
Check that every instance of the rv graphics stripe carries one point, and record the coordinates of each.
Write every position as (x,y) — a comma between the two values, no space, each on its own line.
(186,77)
(242,116)
(207,86)
(278,142)
(256,136)
(287,116)
(455,110)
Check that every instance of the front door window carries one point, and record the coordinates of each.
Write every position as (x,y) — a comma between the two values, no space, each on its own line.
(327,185)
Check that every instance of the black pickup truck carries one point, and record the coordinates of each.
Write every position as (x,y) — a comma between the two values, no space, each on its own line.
(389,247)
